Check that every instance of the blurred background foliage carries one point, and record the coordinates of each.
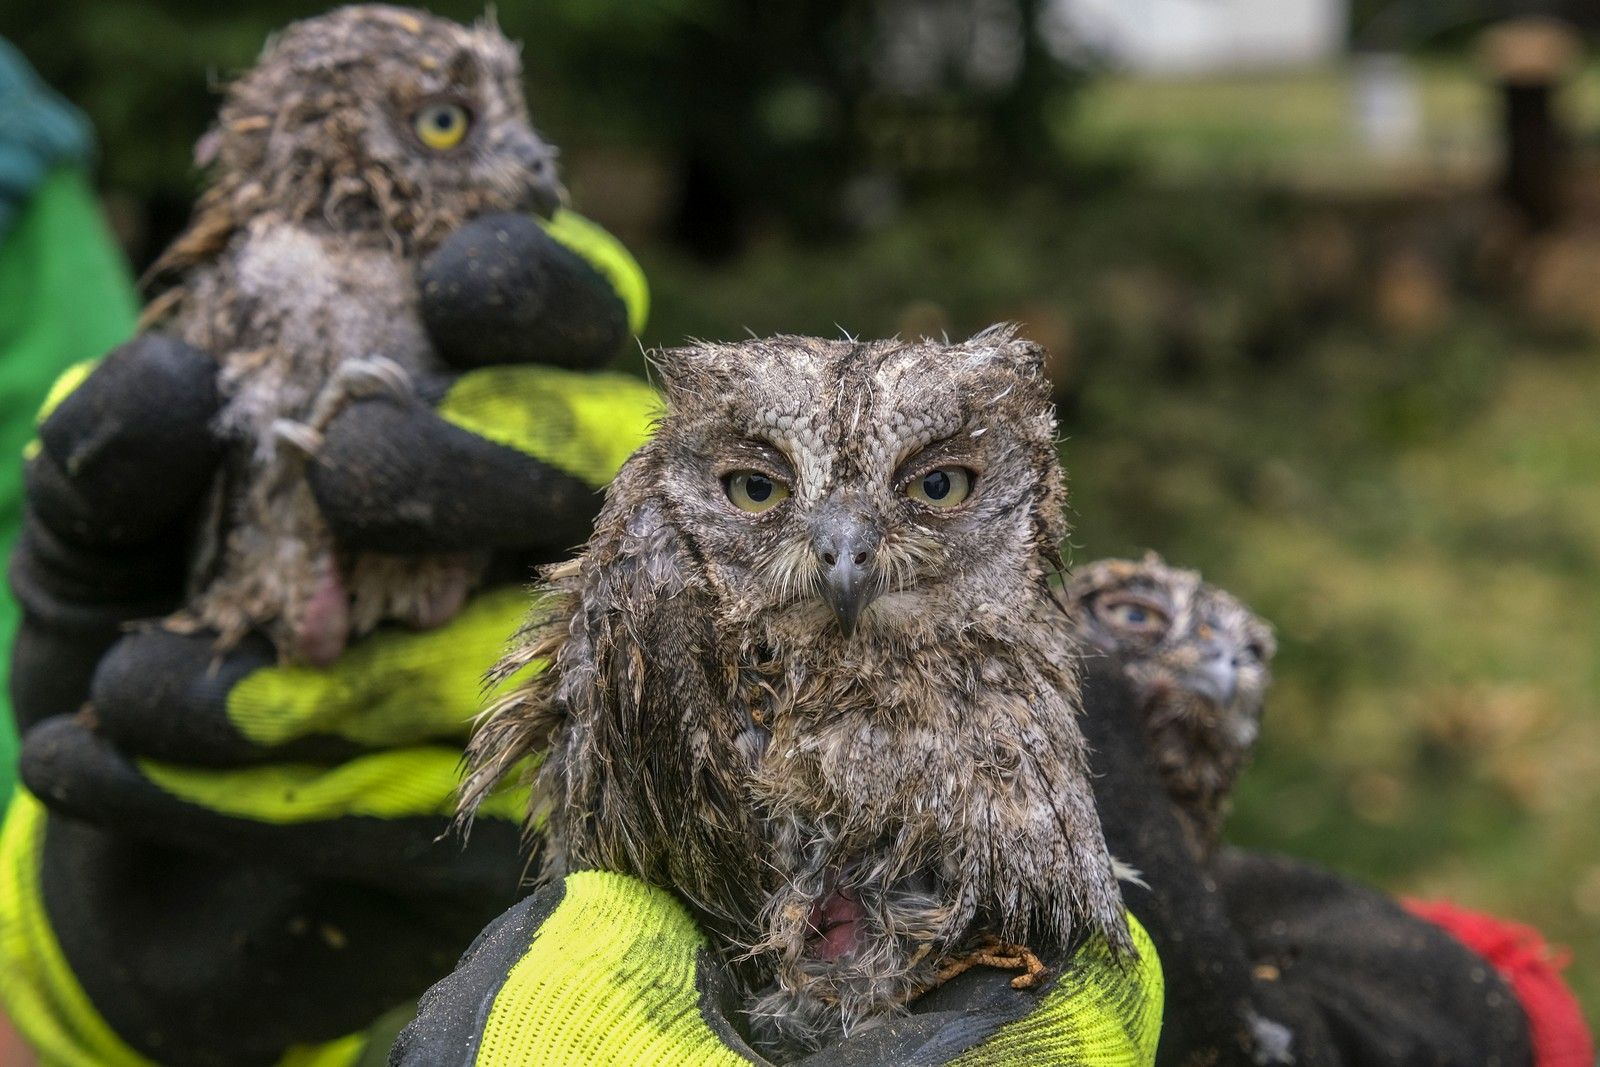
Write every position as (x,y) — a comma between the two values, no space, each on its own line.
(1299,339)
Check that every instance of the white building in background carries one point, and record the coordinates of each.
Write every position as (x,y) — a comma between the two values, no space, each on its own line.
(1200,36)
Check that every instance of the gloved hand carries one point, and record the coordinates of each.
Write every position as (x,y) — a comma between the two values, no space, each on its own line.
(604,969)
(241,857)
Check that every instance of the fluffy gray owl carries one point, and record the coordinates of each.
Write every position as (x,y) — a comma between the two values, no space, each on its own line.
(1201,663)
(357,142)
(809,673)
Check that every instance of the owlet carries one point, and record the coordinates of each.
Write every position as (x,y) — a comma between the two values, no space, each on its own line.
(809,673)
(357,142)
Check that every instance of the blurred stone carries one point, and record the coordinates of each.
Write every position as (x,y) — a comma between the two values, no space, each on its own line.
(1388,104)
(1562,281)
(1411,294)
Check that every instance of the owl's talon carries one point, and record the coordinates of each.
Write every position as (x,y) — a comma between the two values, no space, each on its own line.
(373,376)
(297,435)
(1001,955)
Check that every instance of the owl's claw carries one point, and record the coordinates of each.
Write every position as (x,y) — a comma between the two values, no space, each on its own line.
(360,379)
(992,952)
(373,376)
(305,440)
(1002,955)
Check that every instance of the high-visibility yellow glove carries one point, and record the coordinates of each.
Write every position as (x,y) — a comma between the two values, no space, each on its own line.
(604,969)
(223,860)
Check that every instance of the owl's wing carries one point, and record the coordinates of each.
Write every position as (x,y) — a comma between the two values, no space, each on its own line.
(645,775)
(641,771)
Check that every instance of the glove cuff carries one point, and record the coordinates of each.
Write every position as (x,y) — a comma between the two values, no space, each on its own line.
(38,989)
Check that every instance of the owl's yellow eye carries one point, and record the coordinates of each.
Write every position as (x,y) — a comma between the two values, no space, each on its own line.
(753,491)
(942,487)
(441,126)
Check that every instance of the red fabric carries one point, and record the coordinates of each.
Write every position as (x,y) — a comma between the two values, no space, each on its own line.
(1532,968)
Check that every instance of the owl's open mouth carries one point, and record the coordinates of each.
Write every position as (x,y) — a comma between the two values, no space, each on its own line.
(835,923)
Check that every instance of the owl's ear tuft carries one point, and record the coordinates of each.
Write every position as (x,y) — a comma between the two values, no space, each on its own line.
(694,372)
(1000,346)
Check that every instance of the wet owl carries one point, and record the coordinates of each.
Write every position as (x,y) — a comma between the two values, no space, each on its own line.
(356,143)
(809,673)
(1200,662)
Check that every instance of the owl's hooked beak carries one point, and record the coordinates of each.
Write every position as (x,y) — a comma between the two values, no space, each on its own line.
(544,192)
(845,547)
(1216,678)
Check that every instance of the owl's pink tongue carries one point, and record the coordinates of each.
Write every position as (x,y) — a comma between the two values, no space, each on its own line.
(834,921)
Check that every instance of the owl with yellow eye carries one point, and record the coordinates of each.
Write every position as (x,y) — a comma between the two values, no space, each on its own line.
(359,140)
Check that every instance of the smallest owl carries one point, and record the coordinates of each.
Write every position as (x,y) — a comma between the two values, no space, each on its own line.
(359,140)
(1200,662)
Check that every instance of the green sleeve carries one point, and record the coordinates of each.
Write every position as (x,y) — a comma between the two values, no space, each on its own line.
(67,297)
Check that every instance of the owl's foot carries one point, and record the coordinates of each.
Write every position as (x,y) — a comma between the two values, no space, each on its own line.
(304,440)
(361,379)
(318,636)
(1001,955)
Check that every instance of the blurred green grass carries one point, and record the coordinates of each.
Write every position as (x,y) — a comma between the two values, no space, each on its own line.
(1417,510)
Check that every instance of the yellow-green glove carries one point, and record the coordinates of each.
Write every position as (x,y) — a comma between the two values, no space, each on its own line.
(227,861)
(604,969)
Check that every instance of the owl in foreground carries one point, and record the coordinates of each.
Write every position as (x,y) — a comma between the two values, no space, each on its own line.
(1201,664)
(808,672)
(358,141)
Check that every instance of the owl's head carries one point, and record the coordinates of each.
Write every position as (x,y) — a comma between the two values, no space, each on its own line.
(382,119)
(1199,659)
(844,486)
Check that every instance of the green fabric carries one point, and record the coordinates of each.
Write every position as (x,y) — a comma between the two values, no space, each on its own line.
(608,979)
(65,297)
(393,688)
(395,783)
(39,132)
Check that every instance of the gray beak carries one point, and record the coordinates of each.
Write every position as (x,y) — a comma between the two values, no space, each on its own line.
(544,191)
(1216,679)
(845,547)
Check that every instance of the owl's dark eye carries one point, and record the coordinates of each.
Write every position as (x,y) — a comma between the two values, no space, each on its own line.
(753,491)
(1131,615)
(441,126)
(942,487)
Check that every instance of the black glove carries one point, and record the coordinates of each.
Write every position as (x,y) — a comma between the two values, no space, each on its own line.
(1391,988)
(239,856)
